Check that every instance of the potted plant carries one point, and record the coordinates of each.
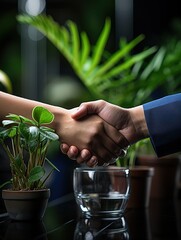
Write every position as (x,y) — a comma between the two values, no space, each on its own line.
(26,142)
(141,178)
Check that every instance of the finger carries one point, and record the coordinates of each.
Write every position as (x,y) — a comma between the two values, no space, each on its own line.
(73,152)
(92,162)
(109,149)
(102,151)
(64,148)
(118,141)
(83,156)
(117,137)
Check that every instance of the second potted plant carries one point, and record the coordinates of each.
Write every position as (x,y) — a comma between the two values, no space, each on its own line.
(140,178)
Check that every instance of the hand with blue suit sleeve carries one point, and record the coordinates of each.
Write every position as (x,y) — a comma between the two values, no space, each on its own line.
(159,119)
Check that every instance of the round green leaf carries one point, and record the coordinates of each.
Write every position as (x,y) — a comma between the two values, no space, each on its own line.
(41,115)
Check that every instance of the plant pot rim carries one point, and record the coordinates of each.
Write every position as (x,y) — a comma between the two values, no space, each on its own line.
(170,160)
(23,190)
(141,171)
(25,194)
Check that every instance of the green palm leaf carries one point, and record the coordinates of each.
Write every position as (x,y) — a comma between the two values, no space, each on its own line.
(75,42)
(88,61)
(100,45)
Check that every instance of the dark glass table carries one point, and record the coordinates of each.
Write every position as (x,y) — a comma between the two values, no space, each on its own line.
(62,220)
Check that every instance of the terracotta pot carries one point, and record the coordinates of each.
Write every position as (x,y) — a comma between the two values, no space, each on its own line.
(166,176)
(140,184)
(26,205)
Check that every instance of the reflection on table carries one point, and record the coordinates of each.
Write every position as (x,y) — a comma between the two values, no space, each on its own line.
(95,228)
(161,221)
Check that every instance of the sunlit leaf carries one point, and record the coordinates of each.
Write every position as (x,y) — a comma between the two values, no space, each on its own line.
(42,116)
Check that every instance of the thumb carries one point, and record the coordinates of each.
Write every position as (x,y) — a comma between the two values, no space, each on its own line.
(85,109)
(80,112)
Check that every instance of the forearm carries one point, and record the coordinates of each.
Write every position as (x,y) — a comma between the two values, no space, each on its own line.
(22,106)
(89,133)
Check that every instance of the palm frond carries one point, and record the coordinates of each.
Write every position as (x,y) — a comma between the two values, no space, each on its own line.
(88,61)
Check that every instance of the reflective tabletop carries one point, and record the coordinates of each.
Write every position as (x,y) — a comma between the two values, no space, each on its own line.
(62,220)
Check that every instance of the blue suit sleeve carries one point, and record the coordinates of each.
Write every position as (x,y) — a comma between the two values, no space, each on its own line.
(163,117)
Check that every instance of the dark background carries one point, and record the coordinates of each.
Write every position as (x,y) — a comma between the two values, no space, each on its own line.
(153,18)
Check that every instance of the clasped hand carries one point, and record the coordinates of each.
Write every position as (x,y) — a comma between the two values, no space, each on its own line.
(101,130)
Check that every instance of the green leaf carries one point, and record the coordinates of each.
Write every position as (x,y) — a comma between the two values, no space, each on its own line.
(24,131)
(154,64)
(13,117)
(56,34)
(85,48)
(129,63)
(33,132)
(27,120)
(18,161)
(36,174)
(32,145)
(45,128)
(42,116)
(6,183)
(5,133)
(52,165)
(8,122)
(75,41)
(49,135)
(100,45)
(118,55)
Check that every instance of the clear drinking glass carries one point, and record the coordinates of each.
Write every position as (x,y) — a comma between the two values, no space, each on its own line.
(102,191)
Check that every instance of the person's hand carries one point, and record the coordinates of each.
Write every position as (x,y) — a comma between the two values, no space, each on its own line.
(130,123)
(91,133)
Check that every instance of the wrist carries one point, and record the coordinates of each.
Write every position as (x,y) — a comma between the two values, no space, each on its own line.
(59,114)
(139,121)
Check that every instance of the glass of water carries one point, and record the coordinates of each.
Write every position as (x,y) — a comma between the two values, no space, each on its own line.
(102,191)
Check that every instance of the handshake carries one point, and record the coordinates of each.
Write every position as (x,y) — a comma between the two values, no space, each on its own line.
(98,132)
(101,132)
